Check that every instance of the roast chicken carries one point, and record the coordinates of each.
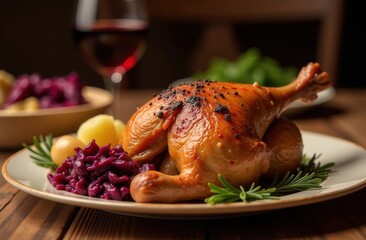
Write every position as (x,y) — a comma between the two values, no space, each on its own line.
(198,130)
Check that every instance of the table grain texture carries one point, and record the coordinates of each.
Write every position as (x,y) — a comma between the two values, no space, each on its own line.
(23,216)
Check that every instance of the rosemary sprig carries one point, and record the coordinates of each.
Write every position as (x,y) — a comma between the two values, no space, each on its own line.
(41,152)
(228,193)
(296,183)
(308,176)
(308,165)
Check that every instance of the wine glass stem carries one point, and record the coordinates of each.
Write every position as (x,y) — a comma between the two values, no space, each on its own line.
(114,84)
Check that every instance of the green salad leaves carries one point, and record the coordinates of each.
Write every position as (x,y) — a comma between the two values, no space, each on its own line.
(248,68)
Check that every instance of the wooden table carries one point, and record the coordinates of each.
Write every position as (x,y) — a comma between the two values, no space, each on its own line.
(24,216)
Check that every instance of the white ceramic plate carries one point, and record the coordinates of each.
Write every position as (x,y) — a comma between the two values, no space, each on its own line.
(295,107)
(349,175)
(20,127)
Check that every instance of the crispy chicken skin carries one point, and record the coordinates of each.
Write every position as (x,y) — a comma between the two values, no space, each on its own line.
(209,128)
(284,140)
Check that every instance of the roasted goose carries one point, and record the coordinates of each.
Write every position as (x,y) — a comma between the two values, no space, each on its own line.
(205,128)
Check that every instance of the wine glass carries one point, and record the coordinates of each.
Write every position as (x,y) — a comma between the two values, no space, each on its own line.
(110,35)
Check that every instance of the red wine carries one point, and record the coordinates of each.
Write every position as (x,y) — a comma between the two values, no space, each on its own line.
(111,44)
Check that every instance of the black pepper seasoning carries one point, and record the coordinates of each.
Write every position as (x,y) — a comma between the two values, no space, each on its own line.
(177,105)
(221,109)
(196,101)
(227,117)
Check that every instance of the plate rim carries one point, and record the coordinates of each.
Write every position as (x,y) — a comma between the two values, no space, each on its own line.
(184,210)
(323,97)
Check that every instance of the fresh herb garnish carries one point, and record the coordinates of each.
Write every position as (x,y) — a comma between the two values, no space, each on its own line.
(228,193)
(42,151)
(308,176)
(308,165)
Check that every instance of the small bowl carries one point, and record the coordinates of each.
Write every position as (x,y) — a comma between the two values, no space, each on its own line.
(19,127)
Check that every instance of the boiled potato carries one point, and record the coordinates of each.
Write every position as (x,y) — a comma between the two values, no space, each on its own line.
(104,129)
(29,104)
(64,147)
(15,107)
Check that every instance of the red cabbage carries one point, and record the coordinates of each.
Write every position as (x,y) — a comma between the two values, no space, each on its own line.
(101,172)
(51,92)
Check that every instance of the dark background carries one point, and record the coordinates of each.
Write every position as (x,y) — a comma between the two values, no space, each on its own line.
(35,37)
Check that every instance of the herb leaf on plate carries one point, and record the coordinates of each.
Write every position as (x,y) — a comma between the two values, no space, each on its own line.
(41,151)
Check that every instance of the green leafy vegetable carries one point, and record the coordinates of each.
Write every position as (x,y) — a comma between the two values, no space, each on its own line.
(308,176)
(248,68)
(41,152)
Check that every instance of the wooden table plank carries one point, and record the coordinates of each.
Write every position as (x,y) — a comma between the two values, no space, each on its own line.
(34,218)
(97,224)
(325,220)
(342,117)
(7,191)
(132,99)
(352,120)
